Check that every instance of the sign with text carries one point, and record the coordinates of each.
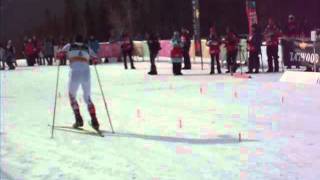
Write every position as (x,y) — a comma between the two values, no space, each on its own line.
(303,53)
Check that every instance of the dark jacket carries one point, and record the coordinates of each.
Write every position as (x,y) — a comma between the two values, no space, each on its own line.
(255,42)
(154,45)
(186,41)
(214,42)
(48,48)
(127,44)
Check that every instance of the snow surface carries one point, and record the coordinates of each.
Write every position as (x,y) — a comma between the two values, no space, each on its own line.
(278,122)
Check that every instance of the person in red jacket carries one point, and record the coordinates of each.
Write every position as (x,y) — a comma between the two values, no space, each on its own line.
(36,46)
(232,42)
(30,52)
(176,54)
(214,43)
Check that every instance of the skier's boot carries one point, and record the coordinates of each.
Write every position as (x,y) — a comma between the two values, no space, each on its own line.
(79,121)
(94,121)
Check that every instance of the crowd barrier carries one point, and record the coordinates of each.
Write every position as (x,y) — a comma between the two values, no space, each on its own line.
(113,50)
(301,52)
(141,51)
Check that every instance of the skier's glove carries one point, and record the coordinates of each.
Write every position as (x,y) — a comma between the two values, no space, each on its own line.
(95,61)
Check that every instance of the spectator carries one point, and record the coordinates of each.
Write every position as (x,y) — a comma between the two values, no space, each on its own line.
(41,53)
(154,48)
(255,43)
(2,63)
(25,41)
(127,50)
(291,31)
(232,42)
(176,54)
(305,28)
(186,43)
(214,43)
(271,35)
(36,49)
(9,55)
(94,45)
(62,56)
(30,52)
(49,51)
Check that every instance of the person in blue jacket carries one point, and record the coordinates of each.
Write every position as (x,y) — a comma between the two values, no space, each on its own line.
(94,45)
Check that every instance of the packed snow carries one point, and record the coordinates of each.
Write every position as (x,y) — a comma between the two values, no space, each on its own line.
(167,127)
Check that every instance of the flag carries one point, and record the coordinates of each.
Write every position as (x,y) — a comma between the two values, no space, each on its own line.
(251,10)
(196,27)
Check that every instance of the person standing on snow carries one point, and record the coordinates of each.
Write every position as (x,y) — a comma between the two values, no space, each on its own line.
(176,54)
(49,50)
(254,47)
(127,50)
(214,43)
(30,52)
(2,63)
(291,31)
(186,43)
(154,48)
(232,43)
(79,55)
(9,55)
(271,34)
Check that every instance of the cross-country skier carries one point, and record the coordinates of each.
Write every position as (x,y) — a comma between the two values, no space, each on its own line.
(79,55)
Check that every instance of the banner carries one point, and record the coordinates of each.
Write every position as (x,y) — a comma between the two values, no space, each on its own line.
(299,52)
(110,50)
(251,10)
(196,27)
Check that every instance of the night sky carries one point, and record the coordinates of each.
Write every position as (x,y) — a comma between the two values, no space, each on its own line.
(22,15)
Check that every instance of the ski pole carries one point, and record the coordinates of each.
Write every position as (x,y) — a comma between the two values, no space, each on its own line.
(104,99)
(55,103)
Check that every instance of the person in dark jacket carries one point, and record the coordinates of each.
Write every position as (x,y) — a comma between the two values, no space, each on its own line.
(154,48)
(271,35)
(291,31)
(127,50)
(9,55)
(214,43)
(48,49)
(232,43)
(186,43)
(254,47)
(2,63)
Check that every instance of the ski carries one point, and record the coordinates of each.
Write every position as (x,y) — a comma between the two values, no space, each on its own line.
(100,133)
(79,130)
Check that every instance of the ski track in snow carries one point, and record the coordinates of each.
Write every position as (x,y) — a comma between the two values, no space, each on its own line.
(167,128)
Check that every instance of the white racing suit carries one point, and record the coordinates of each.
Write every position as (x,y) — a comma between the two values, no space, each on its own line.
(79,55)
